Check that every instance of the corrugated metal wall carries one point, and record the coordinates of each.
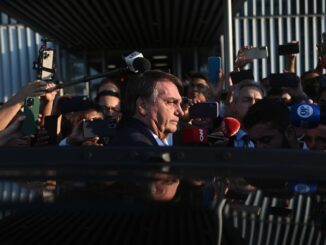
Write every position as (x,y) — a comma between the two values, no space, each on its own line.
(19,47)
(273,22)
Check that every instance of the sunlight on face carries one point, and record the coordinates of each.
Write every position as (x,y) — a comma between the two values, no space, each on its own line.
(163,113)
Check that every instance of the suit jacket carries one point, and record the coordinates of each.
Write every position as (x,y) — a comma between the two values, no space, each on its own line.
(134,133)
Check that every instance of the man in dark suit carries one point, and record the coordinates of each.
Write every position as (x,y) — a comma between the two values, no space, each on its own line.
(152,110)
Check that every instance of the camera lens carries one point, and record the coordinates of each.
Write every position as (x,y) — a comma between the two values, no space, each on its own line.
(30,101)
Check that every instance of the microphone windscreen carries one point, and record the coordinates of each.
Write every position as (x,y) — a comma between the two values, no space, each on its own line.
(231,125)
(141,64)
(305,115)
(196,136)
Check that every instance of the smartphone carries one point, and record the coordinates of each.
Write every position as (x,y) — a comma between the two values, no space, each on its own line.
(75,103)
(46,64)
(289,48)
(51,126)
(284,80)
(256,53)
(214,67)
(31,112)
(99,128)
(238,76)
(204,110)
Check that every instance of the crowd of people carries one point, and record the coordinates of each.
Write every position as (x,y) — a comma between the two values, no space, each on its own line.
(153,109)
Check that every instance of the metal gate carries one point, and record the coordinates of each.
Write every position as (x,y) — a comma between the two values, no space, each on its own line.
(273,22)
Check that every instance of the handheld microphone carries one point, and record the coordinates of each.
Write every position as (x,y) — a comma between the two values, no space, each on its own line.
(194,136)
(306,115)
(230,126)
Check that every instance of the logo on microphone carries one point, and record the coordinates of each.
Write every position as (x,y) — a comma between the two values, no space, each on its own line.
(305,111)
(201,135)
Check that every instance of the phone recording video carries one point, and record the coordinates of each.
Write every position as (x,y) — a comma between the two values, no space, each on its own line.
(31,112)
(75,103)
(289,48)
(256,53)
(214,67)
(46,70)
(204,110)
(99,128)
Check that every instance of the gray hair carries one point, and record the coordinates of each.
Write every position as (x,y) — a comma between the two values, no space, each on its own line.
(244,84)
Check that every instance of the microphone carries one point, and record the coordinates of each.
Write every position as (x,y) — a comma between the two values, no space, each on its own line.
(306,115)
(198,136)
(194,136)
(230,126)
(135,64)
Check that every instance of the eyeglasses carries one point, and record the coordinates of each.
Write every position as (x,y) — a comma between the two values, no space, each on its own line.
(110,109)
(199,87)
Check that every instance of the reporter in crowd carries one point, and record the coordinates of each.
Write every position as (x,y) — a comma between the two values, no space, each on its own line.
(110,103)
(76,137)
(267,123)
(246,93)
(315,138)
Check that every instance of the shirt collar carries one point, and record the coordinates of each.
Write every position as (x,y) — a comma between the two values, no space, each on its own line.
(168,141)
(240,134)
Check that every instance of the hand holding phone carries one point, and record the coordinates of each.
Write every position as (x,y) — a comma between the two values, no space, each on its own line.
(214,67)
(74,103)
(31,112)
(99,128)
(256,53)
(289,48)
(238,76)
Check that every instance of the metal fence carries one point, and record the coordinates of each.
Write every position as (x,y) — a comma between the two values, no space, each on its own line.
(273,22)
(19,47)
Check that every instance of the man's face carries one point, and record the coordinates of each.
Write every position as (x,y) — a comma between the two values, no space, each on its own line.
(248,97)
(316,138)
(163,189)
(197,89)
(162,114)
(265,136)
(110,106)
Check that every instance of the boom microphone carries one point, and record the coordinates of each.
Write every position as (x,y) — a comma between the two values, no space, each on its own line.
(141,65)
(135,66)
